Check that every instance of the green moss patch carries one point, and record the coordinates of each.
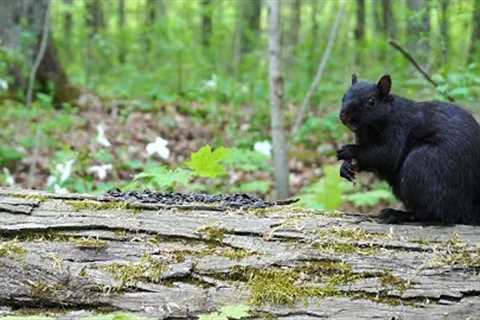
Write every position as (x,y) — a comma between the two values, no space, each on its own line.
(456,252)
(212,233)
(79,205)
(12,248)
(90,244)
(345,248)
(148,269)
(349,233)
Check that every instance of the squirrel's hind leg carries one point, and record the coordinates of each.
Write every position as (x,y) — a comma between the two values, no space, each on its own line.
(395,216)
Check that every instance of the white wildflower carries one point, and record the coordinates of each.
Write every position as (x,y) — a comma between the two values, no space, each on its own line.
(101,137)
(9,179)
(264,147)
(159,146)
(3,85)
(65,170)
(211,84)
(58,189)
(51,180)
(101,171)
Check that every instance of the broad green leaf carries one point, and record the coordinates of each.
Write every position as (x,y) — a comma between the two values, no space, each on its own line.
(370,198)
(206,163)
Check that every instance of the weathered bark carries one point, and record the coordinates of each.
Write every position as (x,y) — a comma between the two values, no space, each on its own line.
(280,148)
(53,255)
(475,36)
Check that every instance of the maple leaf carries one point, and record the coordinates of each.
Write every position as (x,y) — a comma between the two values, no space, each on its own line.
(208,163)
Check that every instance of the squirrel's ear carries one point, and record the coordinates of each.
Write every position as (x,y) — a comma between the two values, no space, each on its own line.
(354,79)
(384,85)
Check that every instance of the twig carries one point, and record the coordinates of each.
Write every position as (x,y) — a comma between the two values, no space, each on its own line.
(320,70)
(40,55)
(35,156)
(417,66)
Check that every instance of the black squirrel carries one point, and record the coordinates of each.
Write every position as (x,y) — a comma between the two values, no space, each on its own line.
(428,152)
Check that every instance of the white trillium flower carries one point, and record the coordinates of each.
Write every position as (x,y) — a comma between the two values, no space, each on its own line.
(9,179)
(51,180)
(101,171)
(58,189)
(3,85)
(211,83)
(264,147)
(101,138)
(65,170)
(159,146)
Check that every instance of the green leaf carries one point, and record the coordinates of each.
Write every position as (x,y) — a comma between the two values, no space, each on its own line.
(370,198)
(237,311)
(162,177)
(213,316)
(327,192)
(206,163)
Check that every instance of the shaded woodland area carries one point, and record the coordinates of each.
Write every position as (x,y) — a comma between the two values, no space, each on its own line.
(211,98)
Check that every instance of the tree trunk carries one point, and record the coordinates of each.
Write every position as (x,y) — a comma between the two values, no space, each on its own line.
(247,29)
(444,29)
(418,28)
(280,148)
(292,39)
(475,36)
(314,37)
(121,30)
(78,254)
(67,27)
(295,22)
(206,11)
(50,71)
(389,24)
(359,31)
(94,19)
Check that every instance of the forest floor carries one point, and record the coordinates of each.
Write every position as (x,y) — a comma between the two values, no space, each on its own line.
(130,125)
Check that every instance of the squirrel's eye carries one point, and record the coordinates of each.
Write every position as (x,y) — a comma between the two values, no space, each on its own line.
(371,102)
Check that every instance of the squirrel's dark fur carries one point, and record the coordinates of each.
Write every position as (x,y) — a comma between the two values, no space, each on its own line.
(429,152)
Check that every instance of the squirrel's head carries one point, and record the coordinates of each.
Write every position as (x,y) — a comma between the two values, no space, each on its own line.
(366,103)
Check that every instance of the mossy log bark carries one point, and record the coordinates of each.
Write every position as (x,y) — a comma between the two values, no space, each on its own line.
(80,252)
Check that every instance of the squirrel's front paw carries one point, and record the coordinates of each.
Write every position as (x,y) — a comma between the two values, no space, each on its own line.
(347,152)
(348,170)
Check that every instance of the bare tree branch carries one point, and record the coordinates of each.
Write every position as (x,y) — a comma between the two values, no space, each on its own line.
(320,70)
(417,66)
(40,55)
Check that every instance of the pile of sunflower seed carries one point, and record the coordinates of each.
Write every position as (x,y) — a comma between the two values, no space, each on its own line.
(234,201)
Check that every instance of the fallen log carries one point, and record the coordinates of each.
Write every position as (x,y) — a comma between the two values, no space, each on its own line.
(83,254)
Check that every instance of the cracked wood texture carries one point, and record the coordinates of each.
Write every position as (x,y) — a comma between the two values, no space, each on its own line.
(83,252)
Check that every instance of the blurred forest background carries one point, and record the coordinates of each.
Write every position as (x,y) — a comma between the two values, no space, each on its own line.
(124,93)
